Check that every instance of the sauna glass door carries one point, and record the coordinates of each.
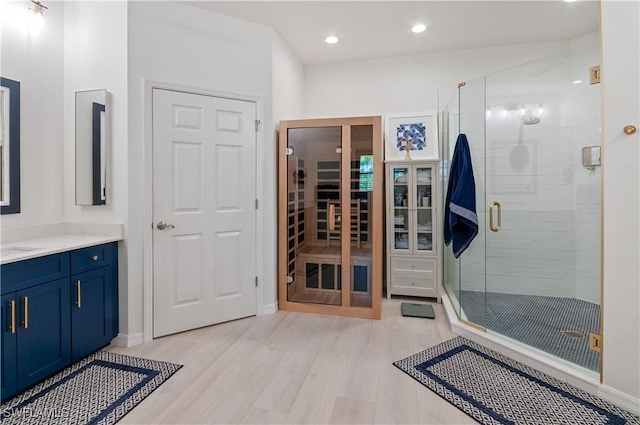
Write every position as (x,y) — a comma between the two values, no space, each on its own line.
(361,184)
(315,215)
(330,242)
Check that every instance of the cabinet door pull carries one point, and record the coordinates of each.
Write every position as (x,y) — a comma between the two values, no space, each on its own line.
(79,294)
(25,323)
(12,327)
(94,258)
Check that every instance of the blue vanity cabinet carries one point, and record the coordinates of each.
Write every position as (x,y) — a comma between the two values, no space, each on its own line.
(9,368)
(56,309)
(92,312)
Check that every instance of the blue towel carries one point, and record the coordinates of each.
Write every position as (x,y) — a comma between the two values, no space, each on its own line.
(460,218)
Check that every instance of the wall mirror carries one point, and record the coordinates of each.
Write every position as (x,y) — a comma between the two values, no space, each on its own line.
(92,118)
(9,146)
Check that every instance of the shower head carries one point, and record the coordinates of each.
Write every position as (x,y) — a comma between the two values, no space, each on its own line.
(529,118)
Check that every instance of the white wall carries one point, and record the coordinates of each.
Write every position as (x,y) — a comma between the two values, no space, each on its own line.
(621,245)
(288,87)
(406,83)
(36,62)
(183,45)
(95,57)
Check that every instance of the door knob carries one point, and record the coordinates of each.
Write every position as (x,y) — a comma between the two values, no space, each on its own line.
(162,225)
(629,130)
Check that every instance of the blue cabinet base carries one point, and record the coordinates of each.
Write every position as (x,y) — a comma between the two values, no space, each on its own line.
(56,310)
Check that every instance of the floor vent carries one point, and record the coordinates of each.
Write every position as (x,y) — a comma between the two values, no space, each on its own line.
(572,334)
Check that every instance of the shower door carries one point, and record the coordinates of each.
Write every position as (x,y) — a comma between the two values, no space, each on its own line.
(330,216)
(542,207)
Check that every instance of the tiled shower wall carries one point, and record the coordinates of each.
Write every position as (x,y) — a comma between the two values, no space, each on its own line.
(549,243)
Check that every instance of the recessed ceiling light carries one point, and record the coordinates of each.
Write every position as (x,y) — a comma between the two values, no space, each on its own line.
(577,81)
(418,28)
(332,39)
(569,1)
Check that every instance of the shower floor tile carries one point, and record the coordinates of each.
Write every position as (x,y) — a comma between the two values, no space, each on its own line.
(559,326)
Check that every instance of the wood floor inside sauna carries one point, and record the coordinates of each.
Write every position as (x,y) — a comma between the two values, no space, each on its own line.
(297,368)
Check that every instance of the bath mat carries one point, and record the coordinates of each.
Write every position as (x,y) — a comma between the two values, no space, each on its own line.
(417,310)
(493,389)
(99,389)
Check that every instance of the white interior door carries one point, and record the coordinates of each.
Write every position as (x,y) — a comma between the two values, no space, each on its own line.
(204,214)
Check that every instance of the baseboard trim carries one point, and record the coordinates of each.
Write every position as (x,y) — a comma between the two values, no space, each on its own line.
(620,399)
(269,309)
(124,340)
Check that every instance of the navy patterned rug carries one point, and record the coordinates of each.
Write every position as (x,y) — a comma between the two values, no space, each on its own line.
(99,389)
(494,389)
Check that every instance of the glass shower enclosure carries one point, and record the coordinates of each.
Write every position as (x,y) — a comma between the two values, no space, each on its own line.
(533,272)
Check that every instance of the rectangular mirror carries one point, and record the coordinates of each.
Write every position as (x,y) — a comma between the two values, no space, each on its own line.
(9,146)
(92,118)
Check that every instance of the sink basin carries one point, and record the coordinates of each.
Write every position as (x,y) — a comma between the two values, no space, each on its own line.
(6,251)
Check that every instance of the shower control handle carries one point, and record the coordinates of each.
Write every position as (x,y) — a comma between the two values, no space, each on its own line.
(491,225)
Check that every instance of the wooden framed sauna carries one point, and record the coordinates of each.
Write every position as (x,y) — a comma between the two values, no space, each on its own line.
(330,214)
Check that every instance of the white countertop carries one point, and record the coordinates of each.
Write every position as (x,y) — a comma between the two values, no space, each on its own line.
(33,248)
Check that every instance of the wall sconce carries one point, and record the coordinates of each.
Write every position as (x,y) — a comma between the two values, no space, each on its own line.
(35,20)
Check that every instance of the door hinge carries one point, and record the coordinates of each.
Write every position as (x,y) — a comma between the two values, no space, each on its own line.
(256,281)
(257,125)
(595,342)
(256,204)
(288,151)
(594,74)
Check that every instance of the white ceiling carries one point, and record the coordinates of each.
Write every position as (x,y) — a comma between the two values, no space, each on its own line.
(374,29)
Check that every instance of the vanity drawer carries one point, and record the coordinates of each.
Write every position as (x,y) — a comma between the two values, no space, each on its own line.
(401,265)
(26,273)
(91,258)
(417,284)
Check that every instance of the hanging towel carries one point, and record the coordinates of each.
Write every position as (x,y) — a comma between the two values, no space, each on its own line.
(460,218)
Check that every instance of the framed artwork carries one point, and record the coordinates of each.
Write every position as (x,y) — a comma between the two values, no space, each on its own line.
(412,136)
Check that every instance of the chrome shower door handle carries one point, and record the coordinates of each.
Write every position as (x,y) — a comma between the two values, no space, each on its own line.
(162,225)
(491,226)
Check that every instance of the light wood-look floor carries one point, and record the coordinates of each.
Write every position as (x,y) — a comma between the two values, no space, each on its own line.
(297,368)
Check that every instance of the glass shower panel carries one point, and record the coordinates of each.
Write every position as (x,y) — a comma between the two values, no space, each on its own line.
(450,130)
(472,271)
(314,215)
(543,244)
(359,217)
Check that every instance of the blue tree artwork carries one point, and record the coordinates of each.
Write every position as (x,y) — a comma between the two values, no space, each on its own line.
(412,136)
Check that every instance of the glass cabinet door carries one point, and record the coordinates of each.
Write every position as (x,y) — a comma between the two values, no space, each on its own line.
(315,215)
(423,209)
(401,176)
(413,214)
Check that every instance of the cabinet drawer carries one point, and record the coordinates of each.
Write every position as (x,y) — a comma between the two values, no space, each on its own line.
(417,284)
(401,265)
(27,273)
(90,258)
